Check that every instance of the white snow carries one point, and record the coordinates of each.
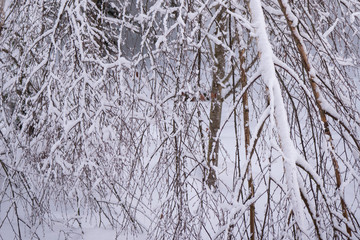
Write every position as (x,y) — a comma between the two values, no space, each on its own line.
(278,113)
(325,34)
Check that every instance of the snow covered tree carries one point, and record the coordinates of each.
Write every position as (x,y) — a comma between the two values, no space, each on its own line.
(180,119)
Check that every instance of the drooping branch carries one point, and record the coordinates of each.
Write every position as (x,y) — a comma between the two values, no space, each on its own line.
(291,20)
(278,116)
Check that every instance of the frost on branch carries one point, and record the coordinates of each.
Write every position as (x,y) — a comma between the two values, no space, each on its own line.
(179,119)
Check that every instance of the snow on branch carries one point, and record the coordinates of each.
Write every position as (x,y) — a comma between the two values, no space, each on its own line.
(278,112)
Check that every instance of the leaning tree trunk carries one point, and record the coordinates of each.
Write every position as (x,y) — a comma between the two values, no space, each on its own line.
(278,115)
(316,91)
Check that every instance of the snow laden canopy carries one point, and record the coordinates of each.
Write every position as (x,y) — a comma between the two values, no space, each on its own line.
(196,119)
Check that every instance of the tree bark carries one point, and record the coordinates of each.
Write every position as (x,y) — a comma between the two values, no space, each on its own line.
(2,14)
(315,89)
(216,101)
(245,104)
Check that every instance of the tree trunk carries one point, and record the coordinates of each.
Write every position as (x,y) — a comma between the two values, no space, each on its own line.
(247,142)
(302,50)
(2,14)
(216,101)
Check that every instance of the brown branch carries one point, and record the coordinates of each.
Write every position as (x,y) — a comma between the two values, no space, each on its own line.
(316,91)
